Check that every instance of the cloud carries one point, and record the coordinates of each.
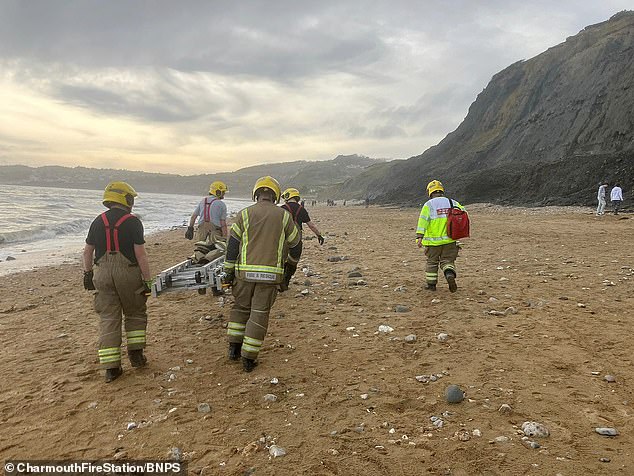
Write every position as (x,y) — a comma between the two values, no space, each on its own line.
(228,84)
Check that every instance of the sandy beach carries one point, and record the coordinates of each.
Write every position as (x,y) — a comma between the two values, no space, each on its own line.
(560,283)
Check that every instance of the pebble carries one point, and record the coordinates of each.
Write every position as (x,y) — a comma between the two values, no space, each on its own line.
(580,304)
(531,444)
(204,408)
(607,431)
(505,408)
(410,338)
(131,426)
(364,396)
(501,439)
(492,299)
(384,329)
(481,292)
(9,258)
(476,433)
(304,292)
(493,312)
(334,259)
(510,310)
(277,451)
(355,274)
(351,328)
(400,289)
(535,429)
(504,279)
(175,454)
(189,361)
(274,381)
(435,301)
(92,405)
(605,460)
(454,394)
(401,308)
(269,397)
(442,337)
(333,452)
(610,378)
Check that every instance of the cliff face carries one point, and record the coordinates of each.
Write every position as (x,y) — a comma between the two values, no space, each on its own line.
(543,131)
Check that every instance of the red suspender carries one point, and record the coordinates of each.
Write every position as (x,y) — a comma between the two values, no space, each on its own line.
(207,211)
(295,215)
(115,233)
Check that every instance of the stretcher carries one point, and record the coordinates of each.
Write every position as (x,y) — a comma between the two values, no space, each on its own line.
(189,276)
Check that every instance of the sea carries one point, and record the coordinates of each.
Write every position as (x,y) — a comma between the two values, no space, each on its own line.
(41,226)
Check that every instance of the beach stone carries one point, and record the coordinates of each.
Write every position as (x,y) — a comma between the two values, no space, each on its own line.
(131,426)
(531,444)
(535,429)
(442,337)
(505,408)
(605,460)
(510,310)
(355,274)
(610,378)
(400,289)
(454,394)
(277,451)
(274,381)
(401,308)
(92,405)
(269,397)
(204,408)
(364,396)
(175,454)
(607,431)
(334,259)
(385,329)
(10,258)
(501,439)
(410,338)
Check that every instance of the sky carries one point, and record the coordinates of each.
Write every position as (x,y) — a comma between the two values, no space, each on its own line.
(199,86)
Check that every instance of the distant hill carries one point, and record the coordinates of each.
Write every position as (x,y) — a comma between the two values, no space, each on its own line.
(310,177)
(543,131)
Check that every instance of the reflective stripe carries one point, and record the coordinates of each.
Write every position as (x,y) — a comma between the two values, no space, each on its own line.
(229,264)
(250,348)
(235,227)
(110,351)
(234,332)
(107,360)
(245,235)
(261,268)
(437,238)
(236,325)
(431,275)
(138,333)
(280,244)
(136,340)
(253,341)
(293,235)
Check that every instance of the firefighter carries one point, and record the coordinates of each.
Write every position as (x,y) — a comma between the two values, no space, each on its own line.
(299,213)
(432,234)
(212,216)
(121,277)
(263,249)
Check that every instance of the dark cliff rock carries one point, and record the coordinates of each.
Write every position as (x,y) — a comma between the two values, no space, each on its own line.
(543,131)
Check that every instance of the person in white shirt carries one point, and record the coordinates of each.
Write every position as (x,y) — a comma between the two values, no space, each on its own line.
(616,195)
(212,216)
(601,198)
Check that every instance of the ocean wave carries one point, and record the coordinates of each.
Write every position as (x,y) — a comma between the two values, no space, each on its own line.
(46,232)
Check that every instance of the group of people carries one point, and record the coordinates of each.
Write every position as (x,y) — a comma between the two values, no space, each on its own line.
(263,247)
(616,197)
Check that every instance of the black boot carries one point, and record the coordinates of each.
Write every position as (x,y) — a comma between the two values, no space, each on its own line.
(112,374)
(450,275)
(430,287)
(137,359)
(248,364)
(234,350)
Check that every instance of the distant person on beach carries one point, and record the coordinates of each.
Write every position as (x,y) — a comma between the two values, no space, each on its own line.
(262,254)
(300,215)
(121,276)
(432,234)
(212,216)
(601,198)
(367,202)
(616,195)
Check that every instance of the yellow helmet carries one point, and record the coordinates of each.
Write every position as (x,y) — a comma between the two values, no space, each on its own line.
(217,188)
(267,182)
(434,186)
(119,192)
(290,193)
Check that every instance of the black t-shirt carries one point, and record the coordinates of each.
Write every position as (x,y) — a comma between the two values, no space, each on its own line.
(130,234)
(299,213)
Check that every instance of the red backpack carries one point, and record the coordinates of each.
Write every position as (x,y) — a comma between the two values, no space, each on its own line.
(457,223)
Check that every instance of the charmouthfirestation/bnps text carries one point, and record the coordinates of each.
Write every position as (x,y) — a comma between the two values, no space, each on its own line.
(170,468)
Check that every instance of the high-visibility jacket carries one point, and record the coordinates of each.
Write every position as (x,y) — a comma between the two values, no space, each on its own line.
(265,232)
(432,222)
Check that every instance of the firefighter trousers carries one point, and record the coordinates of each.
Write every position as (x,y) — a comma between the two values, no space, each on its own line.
(207,231)
(443,256)
(120,289)
(249,318)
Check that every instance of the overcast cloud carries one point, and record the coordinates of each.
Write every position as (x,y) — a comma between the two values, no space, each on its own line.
(200,86)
